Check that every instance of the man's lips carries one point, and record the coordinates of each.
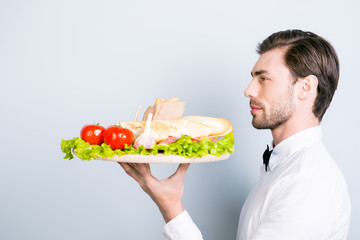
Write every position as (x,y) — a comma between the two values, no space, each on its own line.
(254,109)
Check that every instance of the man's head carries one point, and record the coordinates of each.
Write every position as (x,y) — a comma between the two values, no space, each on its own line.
(296,74)
(308,54)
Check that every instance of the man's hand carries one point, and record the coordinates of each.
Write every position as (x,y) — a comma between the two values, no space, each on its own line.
(166,193)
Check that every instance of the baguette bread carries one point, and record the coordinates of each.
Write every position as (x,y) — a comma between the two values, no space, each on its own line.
(194,126)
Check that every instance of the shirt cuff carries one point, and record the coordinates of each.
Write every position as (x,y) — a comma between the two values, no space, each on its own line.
(182,228)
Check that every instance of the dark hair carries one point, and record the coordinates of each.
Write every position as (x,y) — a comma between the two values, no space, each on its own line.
(308,54)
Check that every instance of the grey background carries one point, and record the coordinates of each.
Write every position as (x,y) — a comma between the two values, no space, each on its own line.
(64,64)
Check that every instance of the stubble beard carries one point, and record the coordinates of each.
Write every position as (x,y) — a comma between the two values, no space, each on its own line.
(278,115)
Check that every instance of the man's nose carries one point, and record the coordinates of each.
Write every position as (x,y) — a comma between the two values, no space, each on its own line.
(251,91)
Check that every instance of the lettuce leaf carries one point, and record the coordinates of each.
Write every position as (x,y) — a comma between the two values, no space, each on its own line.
(184,147)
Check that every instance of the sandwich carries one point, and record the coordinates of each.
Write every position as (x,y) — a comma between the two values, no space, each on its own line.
(180,140)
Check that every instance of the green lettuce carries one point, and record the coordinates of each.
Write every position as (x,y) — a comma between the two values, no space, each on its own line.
(184,146)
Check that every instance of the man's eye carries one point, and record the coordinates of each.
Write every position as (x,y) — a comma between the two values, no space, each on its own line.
(262,78)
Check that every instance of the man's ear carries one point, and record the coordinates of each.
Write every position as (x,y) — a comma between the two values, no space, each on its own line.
(307,87)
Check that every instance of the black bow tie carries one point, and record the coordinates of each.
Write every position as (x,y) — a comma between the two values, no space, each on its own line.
(266,157)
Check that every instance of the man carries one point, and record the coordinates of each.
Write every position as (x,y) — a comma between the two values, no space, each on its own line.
(301,192)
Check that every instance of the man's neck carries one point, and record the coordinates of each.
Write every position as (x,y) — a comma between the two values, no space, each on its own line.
(291,127)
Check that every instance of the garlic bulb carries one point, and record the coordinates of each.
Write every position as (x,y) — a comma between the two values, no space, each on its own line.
(145,138)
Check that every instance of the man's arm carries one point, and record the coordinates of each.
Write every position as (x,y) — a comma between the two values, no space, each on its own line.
(166,193)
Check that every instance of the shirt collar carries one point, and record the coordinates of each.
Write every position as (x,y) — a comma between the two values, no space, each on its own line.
(293,144)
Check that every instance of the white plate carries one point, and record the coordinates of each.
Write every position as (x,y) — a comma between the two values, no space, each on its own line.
(161,158)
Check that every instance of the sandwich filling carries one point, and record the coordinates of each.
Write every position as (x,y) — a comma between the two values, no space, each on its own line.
(184,146)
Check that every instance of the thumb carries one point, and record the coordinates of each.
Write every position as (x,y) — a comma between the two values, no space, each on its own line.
(181,170)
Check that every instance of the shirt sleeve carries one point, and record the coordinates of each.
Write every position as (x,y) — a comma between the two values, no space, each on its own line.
(182,227)
(299,208)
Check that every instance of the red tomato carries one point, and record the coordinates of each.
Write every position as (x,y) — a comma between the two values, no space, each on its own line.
(117,137)
(92,134)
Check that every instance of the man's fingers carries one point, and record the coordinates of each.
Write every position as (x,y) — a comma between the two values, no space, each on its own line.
(143,169)
(138,171)
(130,170)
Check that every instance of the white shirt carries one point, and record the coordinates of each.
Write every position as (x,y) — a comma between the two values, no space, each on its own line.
(303,195)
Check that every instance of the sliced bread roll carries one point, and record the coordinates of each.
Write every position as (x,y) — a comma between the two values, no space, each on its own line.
(194,126)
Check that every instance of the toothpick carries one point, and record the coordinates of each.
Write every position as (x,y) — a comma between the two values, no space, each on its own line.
(137,113)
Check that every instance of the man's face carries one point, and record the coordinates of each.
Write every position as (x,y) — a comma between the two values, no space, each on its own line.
(271,91)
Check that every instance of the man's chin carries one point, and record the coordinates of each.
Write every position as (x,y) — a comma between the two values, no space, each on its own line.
(263,123)
(268,124)
(259,125)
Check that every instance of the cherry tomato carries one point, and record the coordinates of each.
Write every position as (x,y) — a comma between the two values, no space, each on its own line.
(117,137)
(92,134)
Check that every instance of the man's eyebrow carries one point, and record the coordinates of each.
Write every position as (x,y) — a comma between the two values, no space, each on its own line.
(257,73)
